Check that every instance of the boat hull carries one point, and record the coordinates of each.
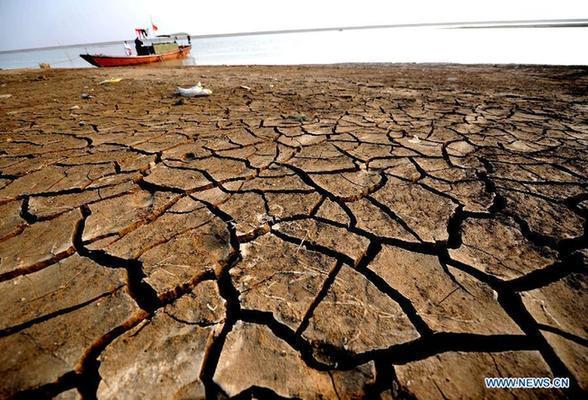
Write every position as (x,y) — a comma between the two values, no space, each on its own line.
(116,61)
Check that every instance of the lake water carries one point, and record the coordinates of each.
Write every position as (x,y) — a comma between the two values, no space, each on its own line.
(564,46)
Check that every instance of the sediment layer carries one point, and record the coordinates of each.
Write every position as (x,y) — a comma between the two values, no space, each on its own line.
(304,232)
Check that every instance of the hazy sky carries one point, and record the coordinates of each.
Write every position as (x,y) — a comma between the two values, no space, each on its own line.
(41,23)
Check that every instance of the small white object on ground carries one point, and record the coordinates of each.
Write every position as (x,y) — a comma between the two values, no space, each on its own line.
(193,91)
(245,87)
(76,107)
(415,139)
(111,80)
(5,96)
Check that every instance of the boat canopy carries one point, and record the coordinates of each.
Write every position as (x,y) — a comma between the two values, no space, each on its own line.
(169,35)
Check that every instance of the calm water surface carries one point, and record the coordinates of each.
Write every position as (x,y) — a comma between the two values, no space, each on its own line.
(565,46)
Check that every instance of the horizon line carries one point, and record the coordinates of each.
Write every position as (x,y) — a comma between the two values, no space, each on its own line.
(540,23)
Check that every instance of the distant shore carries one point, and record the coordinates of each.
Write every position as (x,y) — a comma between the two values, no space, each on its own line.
(543,23)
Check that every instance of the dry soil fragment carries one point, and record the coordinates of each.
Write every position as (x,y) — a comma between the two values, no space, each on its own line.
(326,235)
(69,283)
(10,220)
(274,180)
(186,256)
(202,306)
(253,356)
(378,219)
(43,352)
(71,394)
(367,152)
(318,162)
(280,277)
(460,149)
(39,244)
(176,178)
(425,212)
(459,375)
(332,211)
(183,216)
(283,205)
(221,169)
(544,217)
(348,186)
(473,195)
(356,316)
(397,167)
(161,358)
(249,211)
(122,214)
(44,207)
(55,179)
(563,306)
(185,152)
(498,248)
(4,182)
(177,247)
(445,302)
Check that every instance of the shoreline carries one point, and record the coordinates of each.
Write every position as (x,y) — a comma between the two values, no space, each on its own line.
(170,65)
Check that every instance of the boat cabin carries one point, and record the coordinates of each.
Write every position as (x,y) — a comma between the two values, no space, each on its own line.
(162,44)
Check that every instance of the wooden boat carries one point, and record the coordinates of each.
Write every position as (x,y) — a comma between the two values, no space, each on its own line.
(100,60)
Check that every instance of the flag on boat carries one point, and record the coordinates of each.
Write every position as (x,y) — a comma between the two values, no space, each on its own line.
(141,33)
(153,26)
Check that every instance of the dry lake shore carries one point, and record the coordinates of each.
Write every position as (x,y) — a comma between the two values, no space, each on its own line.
(314,232)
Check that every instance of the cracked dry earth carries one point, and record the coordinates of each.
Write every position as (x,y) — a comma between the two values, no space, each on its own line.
(322,233)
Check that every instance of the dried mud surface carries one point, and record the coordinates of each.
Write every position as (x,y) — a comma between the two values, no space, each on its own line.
(305,232)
